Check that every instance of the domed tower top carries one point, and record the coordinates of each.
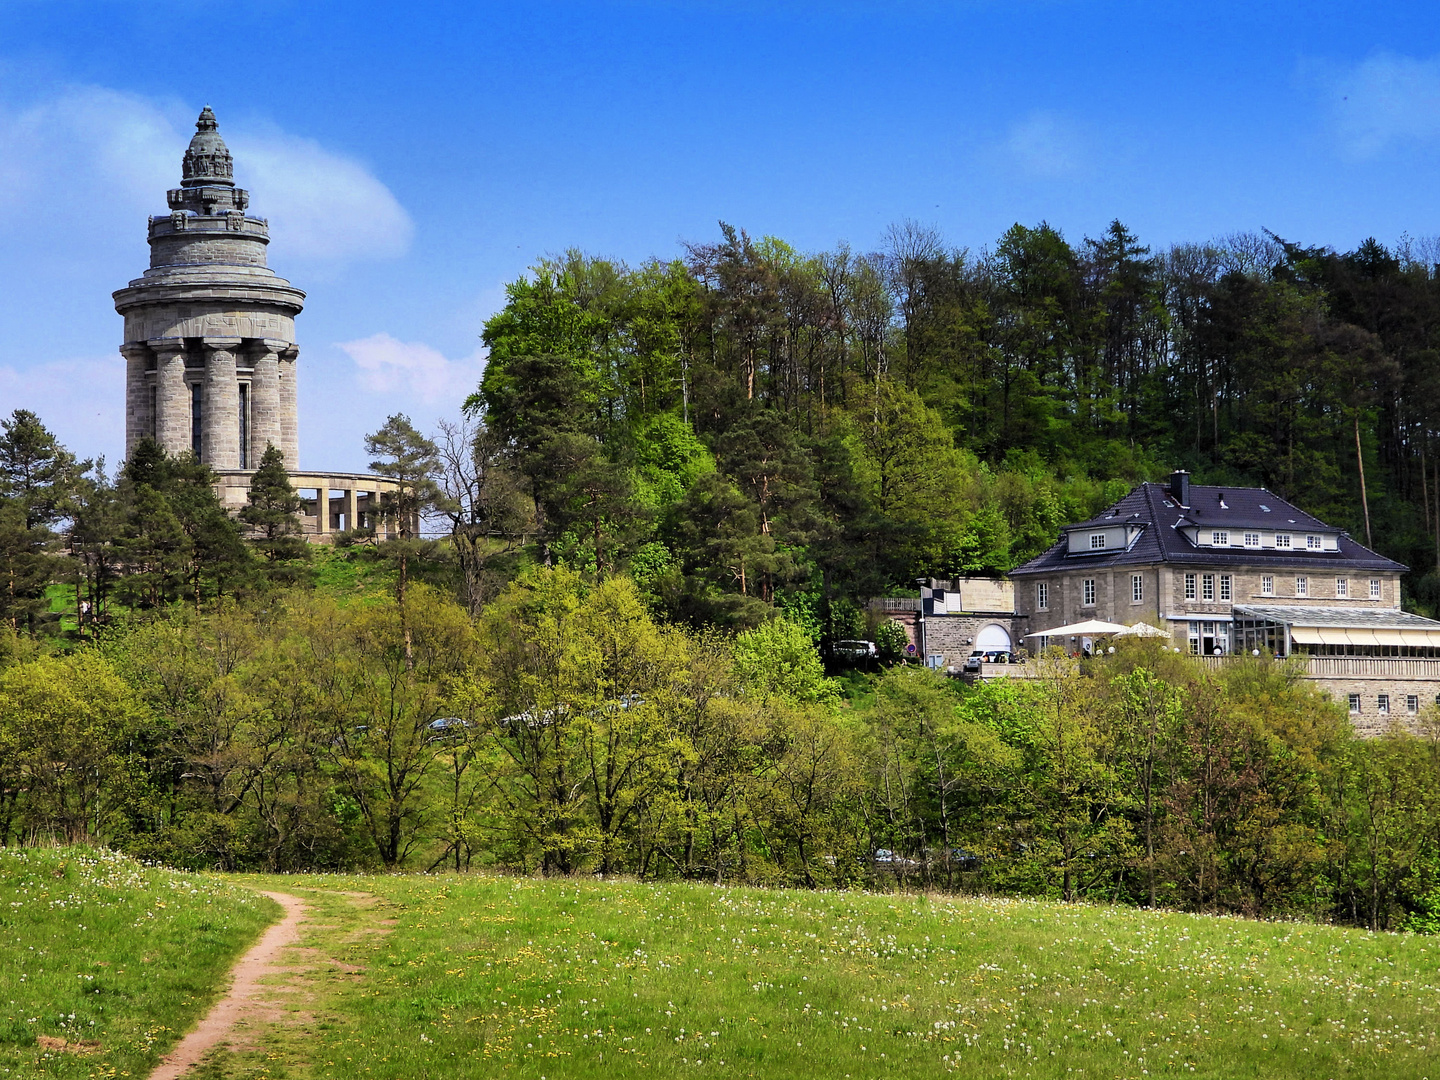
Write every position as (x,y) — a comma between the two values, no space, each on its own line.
(208,161)
(207,181)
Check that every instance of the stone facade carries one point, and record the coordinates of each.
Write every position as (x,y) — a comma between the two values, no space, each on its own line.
(951,619)
(955,637)
(1224,569)
(210,354)
(209,329)
(1162,590)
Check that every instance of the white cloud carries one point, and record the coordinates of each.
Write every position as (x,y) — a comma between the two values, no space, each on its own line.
(320,205)
(413,369)
(82,400)
(62,152)
(1044,145)
(1386,99)
(90,155)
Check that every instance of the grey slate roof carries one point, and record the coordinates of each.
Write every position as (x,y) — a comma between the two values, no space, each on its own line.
(1152,507)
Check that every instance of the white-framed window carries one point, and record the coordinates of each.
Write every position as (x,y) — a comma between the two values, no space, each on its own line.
(1342,588)
(1137,588)
(1097,541)
(1282,540)
(1220,538)
(1302,586)
(1225,590)
(1087,592)
(1374,588)
(1189,586)
(1382,704)
(1312,542)
(1267,584)
(1412,703)
(1210,638)
(1252,539)
(1207,587)
(1354,704)
(1042,596)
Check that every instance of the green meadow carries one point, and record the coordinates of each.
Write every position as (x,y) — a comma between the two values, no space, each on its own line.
(103,961)
(470,976)
(557,979)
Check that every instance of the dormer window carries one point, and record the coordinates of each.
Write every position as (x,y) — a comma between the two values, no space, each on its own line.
(1252,539)
(1312,542)
(1282,540)
(1097,541)
(1220,538)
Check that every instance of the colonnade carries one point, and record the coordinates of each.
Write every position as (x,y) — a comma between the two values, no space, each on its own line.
(224,398)
(330,502)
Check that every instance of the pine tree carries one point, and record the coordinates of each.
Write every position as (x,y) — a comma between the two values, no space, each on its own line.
(96,518)
(176,533)
(401,453)
(25,568)
(35,469)
(37,478)
(271,512)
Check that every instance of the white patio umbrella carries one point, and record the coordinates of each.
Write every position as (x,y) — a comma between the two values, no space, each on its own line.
(1091,628)
(1141,629)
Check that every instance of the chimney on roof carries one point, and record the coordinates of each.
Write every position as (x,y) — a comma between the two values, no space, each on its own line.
(1180,487)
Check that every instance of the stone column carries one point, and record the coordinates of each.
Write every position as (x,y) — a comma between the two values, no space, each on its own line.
(220,421)
(172,395)
(289,409)
(139,417)
(348,503)
(265,407)
(322,509)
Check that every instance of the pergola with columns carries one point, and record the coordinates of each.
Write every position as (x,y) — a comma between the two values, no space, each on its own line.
(333,502)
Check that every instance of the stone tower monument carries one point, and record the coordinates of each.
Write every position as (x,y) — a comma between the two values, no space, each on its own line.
(209,328)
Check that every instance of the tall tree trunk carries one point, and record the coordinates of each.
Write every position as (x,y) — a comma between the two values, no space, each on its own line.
(1364,497)
(404,616)
(1425,485)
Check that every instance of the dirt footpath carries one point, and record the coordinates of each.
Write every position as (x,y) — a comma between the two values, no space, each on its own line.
(257,964)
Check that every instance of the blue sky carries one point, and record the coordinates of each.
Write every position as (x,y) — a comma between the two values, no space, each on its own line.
(414,157)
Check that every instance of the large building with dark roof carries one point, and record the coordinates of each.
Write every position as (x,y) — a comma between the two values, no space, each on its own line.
(1231,569)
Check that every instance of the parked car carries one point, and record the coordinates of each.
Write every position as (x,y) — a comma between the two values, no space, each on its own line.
(885,859)
(448,727)
(852,652)
(974,660)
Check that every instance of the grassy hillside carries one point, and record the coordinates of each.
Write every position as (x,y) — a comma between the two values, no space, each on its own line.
(569,979)
(104,962)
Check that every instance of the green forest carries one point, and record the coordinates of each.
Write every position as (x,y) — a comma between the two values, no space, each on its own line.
(674,486)
(753,427)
